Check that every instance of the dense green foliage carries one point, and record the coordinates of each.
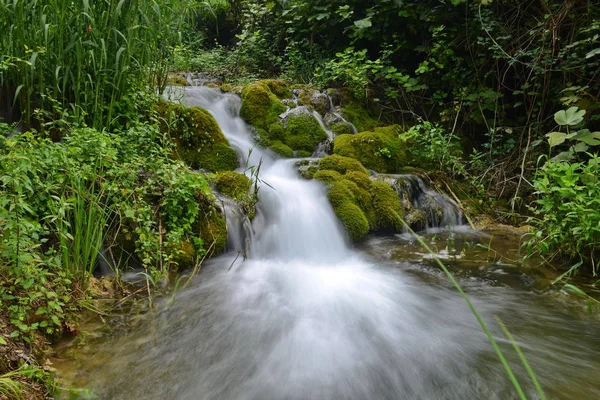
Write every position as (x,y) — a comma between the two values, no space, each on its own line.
(568,190)
(61,202)
(86,58)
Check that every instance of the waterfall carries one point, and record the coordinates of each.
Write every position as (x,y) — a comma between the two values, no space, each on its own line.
(294,219)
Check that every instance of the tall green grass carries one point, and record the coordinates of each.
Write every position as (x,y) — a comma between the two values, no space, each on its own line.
(82,218)
(85,54)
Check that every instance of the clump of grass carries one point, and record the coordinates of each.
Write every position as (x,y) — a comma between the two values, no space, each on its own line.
(82,219)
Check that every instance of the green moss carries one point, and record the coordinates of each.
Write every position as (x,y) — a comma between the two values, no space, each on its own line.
(260,107)
(359,116)
(212,229)
(199,141)
(303,132)
(353,219)
(303,153)
(387,207)
(328,176)
(233,185)
(176,80)
(350,214)
(340,128)
(380,150)
(278,87)
(226,88)
(341,164)
(184,256)
(281,149)
(276,131)
(360,178)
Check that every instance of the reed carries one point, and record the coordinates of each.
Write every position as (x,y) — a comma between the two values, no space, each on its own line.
(81,220)
(87,55)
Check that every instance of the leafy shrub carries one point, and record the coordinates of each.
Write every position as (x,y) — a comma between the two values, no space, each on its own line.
(56,202)
(434,148)
(567,208)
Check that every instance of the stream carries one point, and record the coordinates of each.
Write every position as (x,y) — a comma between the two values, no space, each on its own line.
(308,316)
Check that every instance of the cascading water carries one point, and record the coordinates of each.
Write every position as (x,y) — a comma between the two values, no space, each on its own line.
(306,317)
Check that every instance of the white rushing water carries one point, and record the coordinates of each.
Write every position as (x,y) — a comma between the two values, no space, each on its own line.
(306,316)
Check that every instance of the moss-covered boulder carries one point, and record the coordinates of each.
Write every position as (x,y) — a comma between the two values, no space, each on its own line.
(314,99)
(183,256)
(212,229)
(176,80)
(380,150)
(361,204)
(307,168)
(350,214)
(199,141)
(233,185)
(261,106)
(359,116)
(388,211)
(281,149)
(297,129)
(341,164)
(303,132)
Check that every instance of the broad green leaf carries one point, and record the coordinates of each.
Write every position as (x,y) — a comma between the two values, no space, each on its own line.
(563,156)
(363,23)
(593,53)
(556,138)
(591,138)
(580,147)
(572,116)
(3,341)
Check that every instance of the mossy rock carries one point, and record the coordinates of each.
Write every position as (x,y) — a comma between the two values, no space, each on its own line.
(233,185)
(281,149)
(184,256)
(328,176)
(176,80)
(380,150)
(387,208)
(342,164)
(260,106)
(350,214)
(212,229)
(314,99)
(360,178)
(307,168)
(226,88)
(210,225)
(340,128)
(303,132)
(302,153)
(357,114)
(278,87)
(353,219)
(199,141)
(357,199)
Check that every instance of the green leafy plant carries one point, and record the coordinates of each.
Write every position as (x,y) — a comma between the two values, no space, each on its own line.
(579,140)
(568,196)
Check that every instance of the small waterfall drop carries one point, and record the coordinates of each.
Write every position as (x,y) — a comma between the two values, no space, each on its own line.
(295,220)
